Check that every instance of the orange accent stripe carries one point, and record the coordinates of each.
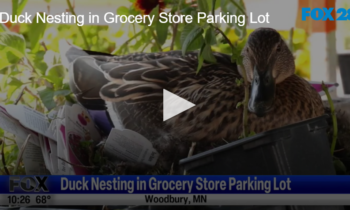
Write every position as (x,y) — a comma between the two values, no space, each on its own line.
(313,26)
(323,26)
(306,25)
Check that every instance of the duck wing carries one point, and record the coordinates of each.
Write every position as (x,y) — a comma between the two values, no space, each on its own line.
(131,88)
(136,83)
(134,93)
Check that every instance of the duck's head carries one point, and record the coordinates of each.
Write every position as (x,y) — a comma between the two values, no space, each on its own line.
(267,61)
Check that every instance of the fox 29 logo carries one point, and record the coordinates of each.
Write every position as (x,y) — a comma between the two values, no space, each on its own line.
(324,13)
(28,184)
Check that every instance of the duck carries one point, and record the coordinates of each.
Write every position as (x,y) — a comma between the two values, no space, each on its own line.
(130,88)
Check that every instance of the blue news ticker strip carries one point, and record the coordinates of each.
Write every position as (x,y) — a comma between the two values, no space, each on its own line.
(226,184)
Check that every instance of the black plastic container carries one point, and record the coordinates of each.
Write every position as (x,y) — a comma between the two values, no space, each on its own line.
(344,65)
(299,149)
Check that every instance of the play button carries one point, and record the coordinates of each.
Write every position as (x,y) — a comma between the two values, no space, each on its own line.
(174,105)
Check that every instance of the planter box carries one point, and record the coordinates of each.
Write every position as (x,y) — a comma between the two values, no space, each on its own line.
(344,66)
(299,149)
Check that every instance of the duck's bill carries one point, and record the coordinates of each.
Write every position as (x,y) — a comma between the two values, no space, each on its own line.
(262,93)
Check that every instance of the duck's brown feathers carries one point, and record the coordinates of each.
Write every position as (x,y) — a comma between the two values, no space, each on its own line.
(136,84)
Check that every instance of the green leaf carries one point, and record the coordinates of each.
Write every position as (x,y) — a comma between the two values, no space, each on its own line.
(18,6)
(46,97)
(1,132)
(239,5)
(13,42)
(196,44)
(208,54)
(191,33)
(224,4)
(119,33)
(139,43)
(3,82)
(3,28)
(63,92)
(241,31)
(239,60)
(12,58)
(154,13)
(162,31)
(194,15)
(122,11)
(200,63)
(66,86)
(339,167)
(188,10)
(38,61)
(252,133)
(4,60)
(154,49)
(210,37)
(236,52)
(56,75)
(14,84)
(11,154)
(35,33)
(203,6)
(239,104)
(21,6)
(239,82)
(14,9)
(178,41)
(217,4)
(200,59)
(236,7)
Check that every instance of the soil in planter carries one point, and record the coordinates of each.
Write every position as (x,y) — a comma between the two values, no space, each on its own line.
(342,149)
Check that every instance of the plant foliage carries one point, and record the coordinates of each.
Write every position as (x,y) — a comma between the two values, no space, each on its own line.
(31,72)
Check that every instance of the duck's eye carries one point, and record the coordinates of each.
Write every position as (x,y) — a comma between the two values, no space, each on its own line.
(278,49)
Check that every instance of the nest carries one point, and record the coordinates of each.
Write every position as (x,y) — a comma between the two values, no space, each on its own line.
(168,162)
(171,151)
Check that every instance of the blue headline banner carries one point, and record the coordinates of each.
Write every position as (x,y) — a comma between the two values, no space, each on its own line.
(175,184)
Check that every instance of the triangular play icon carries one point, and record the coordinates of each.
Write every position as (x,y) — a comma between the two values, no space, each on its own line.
(174,105)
